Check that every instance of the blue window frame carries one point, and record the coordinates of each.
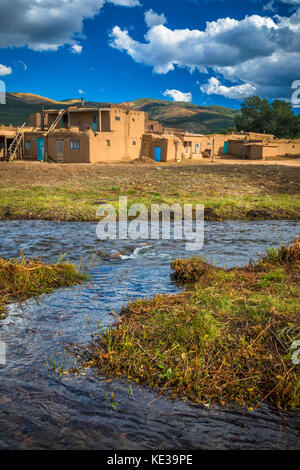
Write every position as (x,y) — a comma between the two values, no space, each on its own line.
(75,144)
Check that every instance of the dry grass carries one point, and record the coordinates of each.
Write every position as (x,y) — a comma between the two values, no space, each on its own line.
(73,191)
(22,278)
(225,340)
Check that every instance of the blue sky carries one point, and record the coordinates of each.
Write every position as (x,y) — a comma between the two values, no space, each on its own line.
(205,51)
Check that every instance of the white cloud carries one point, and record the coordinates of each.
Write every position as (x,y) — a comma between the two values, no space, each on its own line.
(4,70)
(46,25)
(23,65)
(125,3)
(177,95)
(76,49)
(81,92)
(269,6)
(232,48)
(236,92)
(291,2)
(153,19)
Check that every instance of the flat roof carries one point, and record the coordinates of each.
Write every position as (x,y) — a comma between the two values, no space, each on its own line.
(191,135)
(79,110)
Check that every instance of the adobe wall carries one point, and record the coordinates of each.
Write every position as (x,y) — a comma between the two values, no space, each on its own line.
(258,136)
(120,138)
(83,120)
(269,151)
(30,138)
(71,155)
(203,145)
(106,147)
(35,120)
(288,147)
(128,128)
(174,148)
(150,141)
(255,152)
(8,131)
(235,147)
(186,147)
(154,126)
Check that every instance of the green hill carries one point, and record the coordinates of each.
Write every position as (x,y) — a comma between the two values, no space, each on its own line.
(187,116)
(19,106)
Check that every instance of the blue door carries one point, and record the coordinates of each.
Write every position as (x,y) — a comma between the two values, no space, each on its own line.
(40,142)
(157,154)
(94,123)
(225,148)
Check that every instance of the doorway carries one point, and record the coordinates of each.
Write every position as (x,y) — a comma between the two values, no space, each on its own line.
(60,151)
(94,123)
(40,143)
(157,154)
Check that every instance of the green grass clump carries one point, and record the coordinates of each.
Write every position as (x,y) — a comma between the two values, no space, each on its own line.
(21,278)
(188,270)
(225,339)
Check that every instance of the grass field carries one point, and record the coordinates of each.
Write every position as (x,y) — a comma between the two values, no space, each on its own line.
(226,339)
(73,192)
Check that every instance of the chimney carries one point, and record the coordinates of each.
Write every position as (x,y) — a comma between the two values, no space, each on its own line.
(82,102)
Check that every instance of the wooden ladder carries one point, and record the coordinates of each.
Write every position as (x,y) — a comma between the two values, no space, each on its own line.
(61,112)
(16,145)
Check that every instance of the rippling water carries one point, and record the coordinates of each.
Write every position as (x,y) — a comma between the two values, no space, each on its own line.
(40,411)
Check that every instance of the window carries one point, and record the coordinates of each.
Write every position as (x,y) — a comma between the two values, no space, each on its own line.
(134,142)
(107,143)
(75,144)
(117,118)
(27,145)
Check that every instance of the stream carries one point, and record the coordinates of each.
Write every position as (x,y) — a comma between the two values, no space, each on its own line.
(40,410)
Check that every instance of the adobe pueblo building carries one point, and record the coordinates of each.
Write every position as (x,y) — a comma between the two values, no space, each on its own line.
(113,133)
(262,147)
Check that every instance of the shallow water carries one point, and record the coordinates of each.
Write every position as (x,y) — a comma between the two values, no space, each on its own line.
(40,411)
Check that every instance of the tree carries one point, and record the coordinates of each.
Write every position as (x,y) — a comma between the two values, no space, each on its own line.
(285,123)
(258,115)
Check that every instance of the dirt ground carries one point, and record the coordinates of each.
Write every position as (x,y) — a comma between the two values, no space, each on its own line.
(36,173)
(295,162)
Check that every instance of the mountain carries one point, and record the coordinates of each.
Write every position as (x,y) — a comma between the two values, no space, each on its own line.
(187,116)
(19,106)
